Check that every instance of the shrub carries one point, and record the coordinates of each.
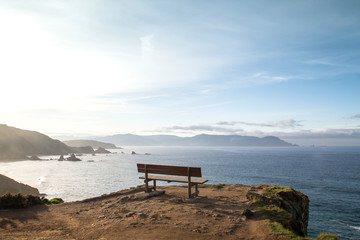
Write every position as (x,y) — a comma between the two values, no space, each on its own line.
(220,185)
(13,201)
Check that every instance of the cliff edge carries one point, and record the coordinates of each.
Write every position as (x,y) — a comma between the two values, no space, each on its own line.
(220,212)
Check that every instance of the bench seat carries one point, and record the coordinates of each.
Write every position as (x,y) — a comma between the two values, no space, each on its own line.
(174,179)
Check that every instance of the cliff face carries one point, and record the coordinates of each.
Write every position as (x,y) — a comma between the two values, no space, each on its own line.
(12,186)
(284,205)
(297,204)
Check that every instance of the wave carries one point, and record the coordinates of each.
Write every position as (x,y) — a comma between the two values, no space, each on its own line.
(354,227)
(41,180)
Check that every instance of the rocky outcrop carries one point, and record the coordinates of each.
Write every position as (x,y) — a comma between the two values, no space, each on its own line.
(8,185)
(102,150)
(295,203)
(34,157)
(73,158)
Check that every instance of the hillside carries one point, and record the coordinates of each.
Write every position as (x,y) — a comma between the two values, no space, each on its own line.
(9,185)
(18,144)
(92,143)
(199,140)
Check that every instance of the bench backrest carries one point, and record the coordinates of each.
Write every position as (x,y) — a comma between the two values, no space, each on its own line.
(169,170)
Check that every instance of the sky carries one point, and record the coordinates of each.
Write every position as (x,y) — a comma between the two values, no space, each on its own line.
(76,69)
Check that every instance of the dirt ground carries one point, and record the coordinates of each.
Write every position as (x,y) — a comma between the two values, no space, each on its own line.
(133,214)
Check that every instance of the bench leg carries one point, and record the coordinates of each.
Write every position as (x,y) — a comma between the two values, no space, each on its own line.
(146,185)
(154,185)
(189,189)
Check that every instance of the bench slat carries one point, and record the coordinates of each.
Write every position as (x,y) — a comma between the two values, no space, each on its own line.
(174,179)
(169,170)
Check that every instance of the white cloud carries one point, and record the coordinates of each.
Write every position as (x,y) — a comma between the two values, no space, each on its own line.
(199,129)
(146,44)
(265,78)
(287,123)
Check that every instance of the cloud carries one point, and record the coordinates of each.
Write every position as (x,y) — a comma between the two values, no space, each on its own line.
(146,44)
(287,123)
(197,129)
(226,123)
(302,134)
(264,77)
(355,116)
(320,62)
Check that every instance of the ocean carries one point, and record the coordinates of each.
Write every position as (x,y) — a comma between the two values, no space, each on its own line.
(329,176)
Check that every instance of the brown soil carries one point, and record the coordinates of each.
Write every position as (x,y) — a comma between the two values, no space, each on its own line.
(130,214)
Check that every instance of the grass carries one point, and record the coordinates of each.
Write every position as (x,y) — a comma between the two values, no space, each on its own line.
(279,230)
(276,214)
(327,236)
(271,191)
(52,201)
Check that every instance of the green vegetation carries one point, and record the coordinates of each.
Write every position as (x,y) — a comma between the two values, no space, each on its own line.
(281,231)
(273,190)
(52,201)
(276,214)
(327,236)
(220,185)
(14,201)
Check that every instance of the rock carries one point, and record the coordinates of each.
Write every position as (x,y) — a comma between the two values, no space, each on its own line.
(61,158)
(34,157)
(295,203)
(133,152)
(247,213)
(102,150)
(130,214)
(73,158)
(144,195)
(143,215)
(298,205)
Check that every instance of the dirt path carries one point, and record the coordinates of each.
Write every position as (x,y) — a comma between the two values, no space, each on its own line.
(216,214)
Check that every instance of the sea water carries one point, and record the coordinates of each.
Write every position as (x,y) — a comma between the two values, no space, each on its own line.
(329,176)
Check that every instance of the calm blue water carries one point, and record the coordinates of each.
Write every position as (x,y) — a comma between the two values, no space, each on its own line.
(328,175)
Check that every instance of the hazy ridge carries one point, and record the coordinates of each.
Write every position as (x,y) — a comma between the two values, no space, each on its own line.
(92,143)
(198,140)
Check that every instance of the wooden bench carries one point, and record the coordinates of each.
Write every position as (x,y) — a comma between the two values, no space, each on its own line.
(187,172)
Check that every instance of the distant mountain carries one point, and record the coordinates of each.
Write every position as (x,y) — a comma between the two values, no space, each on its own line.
(92,143)
(199,140)
(18,144)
